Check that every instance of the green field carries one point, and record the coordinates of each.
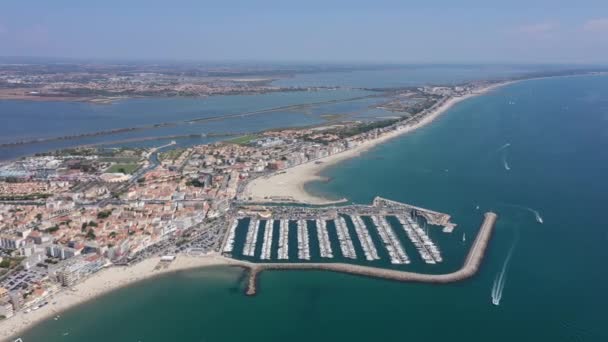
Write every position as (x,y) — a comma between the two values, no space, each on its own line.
(123,168)
(243,140)
(171,154)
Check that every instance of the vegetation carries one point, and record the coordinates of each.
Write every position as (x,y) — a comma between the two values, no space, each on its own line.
(9,263)
(333,117)
(350,131)
(103,214)
(127,169)
(171,154)
(243,140)
(28,197)
(196,183)
(91,235)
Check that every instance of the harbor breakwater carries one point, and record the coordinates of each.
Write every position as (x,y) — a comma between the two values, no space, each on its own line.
(469,268)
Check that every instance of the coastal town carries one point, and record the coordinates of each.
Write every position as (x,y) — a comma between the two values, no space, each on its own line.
(67,215)
(105,83)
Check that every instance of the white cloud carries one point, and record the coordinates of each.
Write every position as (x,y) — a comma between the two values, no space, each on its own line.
(596,25)
(536,29)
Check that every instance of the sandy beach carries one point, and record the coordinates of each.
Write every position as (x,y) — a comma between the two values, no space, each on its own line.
(102,282)
(289,183)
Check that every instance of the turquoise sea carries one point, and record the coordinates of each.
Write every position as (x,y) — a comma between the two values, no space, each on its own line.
(532,146)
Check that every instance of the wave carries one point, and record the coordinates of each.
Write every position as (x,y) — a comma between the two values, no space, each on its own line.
(501,278)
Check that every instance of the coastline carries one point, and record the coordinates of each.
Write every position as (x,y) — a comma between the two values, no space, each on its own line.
(290,183)
(102,282)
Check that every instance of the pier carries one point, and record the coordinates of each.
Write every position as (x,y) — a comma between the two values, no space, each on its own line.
(323,237)
(346,243)
(366,240)
(229,245)
(303,242)
(391,242)
(250,240)
(469,268)
(428,251)
(267,243)
(283,252)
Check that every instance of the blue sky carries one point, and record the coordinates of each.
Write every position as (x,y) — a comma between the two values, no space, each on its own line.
(466,31)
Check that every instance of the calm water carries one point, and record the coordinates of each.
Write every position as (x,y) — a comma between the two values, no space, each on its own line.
(406,76)
(33,120)
(556,281)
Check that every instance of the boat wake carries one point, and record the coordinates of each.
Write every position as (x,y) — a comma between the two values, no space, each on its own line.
(536,214)
(501,278)
(505,164)
(503,147)
(504,151)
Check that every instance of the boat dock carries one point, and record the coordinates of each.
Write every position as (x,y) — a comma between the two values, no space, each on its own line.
(229,244)
(391,242)
(323,237)
(346,243)
(365,238)
(267,243)
(283,252)
(252,235)
(303,242)
(428,251)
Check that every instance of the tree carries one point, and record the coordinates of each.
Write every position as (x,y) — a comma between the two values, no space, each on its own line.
(91,234)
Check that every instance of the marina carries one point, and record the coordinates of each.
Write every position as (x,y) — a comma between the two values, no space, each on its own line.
(346,243)
(391,242)
(366,240)
(267,243)
(324,243)
(427,249)
(283,252)
(333,230)
(252,234)
(229,246)
(469,268)
(303,242)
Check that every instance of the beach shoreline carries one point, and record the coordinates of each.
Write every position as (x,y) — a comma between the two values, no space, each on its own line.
(290,184)
(101,283)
